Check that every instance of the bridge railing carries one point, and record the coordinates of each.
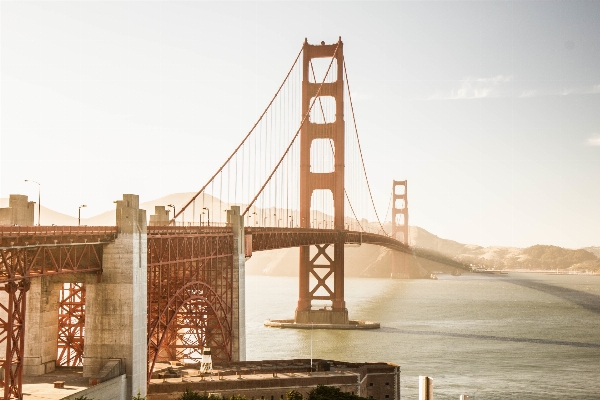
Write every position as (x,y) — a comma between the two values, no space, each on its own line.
(188,229)
(16,231)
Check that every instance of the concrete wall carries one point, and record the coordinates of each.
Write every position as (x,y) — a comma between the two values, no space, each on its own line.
(160,216)
(239,284)
(41,326)
(116,308)
(254,388)
(114,389)
(19,211)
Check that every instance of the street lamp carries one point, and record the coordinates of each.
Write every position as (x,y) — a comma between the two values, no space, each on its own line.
(173,207)
(39,199)
(79,214)
(291,221)
(207,212)
(255,218)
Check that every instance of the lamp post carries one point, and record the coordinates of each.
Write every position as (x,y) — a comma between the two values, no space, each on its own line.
(255,218)
(208,214)
(39,199)
(173,207)
(79,214)
(265,221)
(291,221)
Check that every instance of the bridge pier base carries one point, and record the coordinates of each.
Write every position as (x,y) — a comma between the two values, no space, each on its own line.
(337,317)
(116,307)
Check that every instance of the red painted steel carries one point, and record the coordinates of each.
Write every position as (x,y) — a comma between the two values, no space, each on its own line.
(31,251)
(71,325)
(333,181)
(190,293)
(12,332)
(400,227)
(24,262)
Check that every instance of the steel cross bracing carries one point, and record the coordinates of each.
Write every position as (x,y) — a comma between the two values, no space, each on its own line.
(71,325)
(190,293)
(28,252)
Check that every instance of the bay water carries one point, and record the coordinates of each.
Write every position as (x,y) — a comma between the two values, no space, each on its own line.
(515,336)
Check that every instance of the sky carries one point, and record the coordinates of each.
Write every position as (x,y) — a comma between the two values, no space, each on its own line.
(490,110)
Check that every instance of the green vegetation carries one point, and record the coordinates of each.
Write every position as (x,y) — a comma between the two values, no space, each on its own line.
(321,392)
(138,396)
(191,395)
(293,395)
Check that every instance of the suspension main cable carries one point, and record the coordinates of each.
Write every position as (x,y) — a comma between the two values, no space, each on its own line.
(297,132)
(245,138)
(388,207)
(360,151)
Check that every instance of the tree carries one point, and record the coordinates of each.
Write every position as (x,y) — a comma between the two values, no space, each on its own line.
(191,395)
(322,392)
(294,395)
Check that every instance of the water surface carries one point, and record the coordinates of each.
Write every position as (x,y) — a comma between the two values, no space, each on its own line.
(526,336)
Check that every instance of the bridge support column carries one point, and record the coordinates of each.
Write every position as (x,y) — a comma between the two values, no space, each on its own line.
(116,307)
(239,284)
(327,263)
(400,228)
(42,326)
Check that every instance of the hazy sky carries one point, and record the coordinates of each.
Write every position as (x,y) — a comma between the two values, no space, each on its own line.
(491,110)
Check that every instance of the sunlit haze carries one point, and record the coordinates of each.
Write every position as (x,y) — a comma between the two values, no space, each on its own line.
(490,110)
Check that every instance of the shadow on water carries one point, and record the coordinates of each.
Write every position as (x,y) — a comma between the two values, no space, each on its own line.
(489,337)
(588,301)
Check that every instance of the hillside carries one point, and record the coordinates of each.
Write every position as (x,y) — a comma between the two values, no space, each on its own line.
(369,260)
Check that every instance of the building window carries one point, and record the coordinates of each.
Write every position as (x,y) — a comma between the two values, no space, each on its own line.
(352,393)
(370,383)
(387,383)
(387,396)
(271,397)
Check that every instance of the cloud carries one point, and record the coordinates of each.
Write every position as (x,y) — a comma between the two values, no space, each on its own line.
(475,88)
(594,140)
(528,93)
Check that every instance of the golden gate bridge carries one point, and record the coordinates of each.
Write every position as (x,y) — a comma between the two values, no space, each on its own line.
(297,179)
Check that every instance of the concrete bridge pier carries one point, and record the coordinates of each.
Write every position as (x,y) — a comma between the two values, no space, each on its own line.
(239,283)
(116,307)
(41,326)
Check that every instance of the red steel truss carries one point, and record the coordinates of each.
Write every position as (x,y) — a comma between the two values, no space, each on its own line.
(27,252)
(190,293)
(71,325)
(12,334)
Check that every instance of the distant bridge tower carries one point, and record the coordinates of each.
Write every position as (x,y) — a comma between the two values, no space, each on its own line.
(400,227)
(322,265)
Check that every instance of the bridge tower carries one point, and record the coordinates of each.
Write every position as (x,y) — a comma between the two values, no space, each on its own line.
(322,265)
(400,227)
